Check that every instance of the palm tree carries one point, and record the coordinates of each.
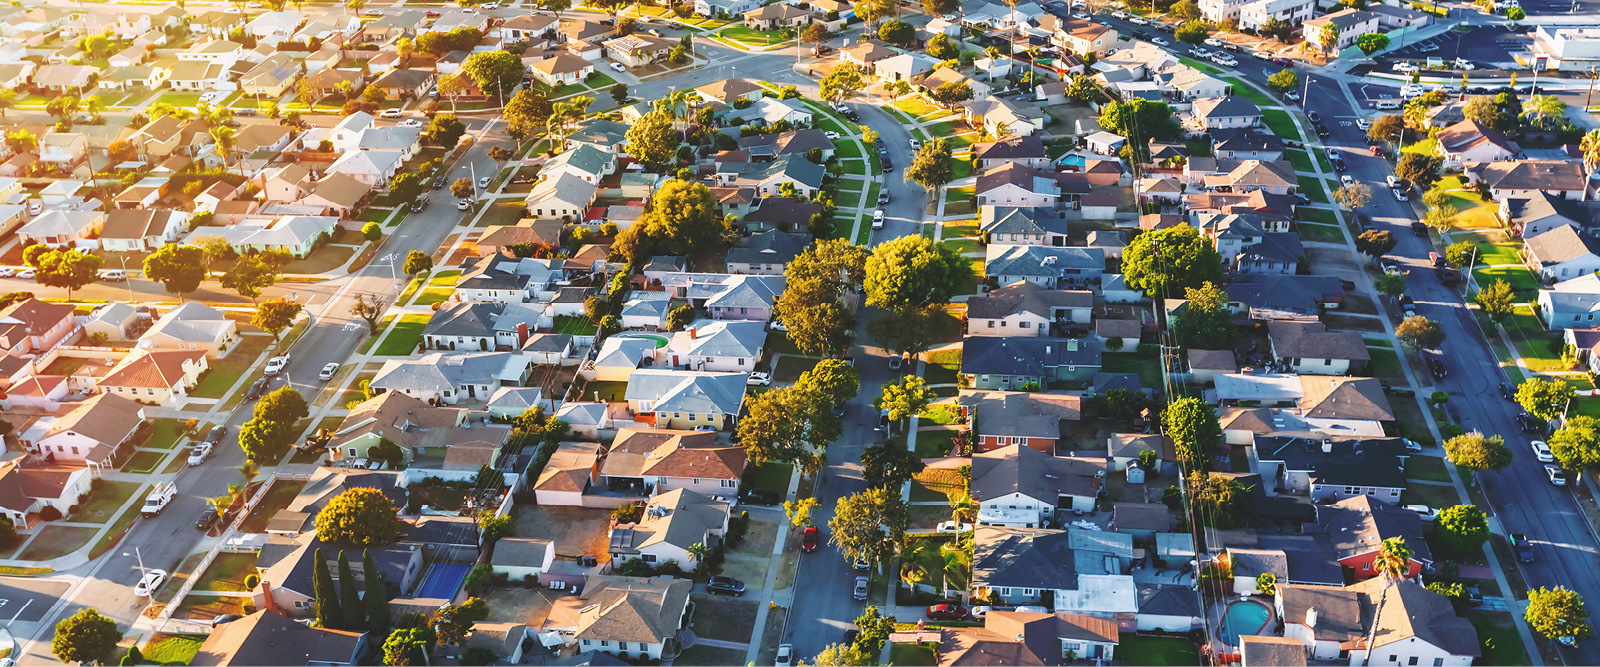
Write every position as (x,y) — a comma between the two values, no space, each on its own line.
(912,574)
(223,135)
(1394,559)
(8,99)
(698,552)
(249,469)
(957,561)
(93,106)
(1590,145)
(963,509)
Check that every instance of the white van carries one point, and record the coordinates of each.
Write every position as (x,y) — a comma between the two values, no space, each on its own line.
(114,276)
(1387,105)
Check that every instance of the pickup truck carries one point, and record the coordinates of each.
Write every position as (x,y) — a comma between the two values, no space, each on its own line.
(1524,548)
(158,499)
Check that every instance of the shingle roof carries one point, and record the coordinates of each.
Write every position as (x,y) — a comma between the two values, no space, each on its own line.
(1032,473)
(1017,413)
(1312,339)
(769,248)
(568,469)
(1469,134)
(1029,297)
(691,392)
(1531,175)
(1013,147)
(1027,356)
(151,369)
(1024,558)
(1230,106)
(464,319)
(1359,525)
(1402,610)
(105,418)
(1561,244)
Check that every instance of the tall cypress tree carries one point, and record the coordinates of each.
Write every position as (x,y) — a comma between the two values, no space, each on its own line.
(355,616)
(328,613)
(377,598)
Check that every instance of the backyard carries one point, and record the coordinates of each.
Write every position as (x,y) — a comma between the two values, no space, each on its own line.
(1145,650)
(227,572)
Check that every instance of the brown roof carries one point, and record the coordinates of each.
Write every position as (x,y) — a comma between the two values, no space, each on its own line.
(388,415)
(1213,360)
(152,369)
(1408,610)
(125,223)
(1469,134)
(630,609)
(1141,516)
(727,90)
(1024,296)
(1531,175)
(1268,173)
(20,484)
(1011,147)
(562,64)
(1338,611)
(106,418)
(1022,638)
(20,319)
(1293,340)
(869,51)
(270,638)
(734,196)
(1118,328)
(668,453)
(527,230)
(568,469)
(1263,651)
(341,189)
(1013,173)
(1344,398)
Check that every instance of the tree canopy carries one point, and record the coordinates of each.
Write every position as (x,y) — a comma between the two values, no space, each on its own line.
(652,139)
(908,396)
(1372,42)
(1140,120)
(1419,332)
(1476,451)
(85,637)
(1206,323)
(68,268)
(1558,613)
(276,315)
(912,272)
(494,71)
(844,81)
(1462,529)
(360,516)
(684,219)
(1419,168)
(1544,399)
(1576,445)
(179,268)
(1163,262)
(858,521)
(1192,425)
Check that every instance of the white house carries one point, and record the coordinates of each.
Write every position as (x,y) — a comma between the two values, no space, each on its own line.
(1563,253)
(673,522)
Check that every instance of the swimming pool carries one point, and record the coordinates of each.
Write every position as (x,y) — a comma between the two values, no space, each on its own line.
(1243,618)
(659,339)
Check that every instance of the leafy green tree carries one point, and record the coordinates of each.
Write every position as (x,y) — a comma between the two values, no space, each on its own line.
(789,425)
(1267,584)
(1461,253)
(1558,613)
(444,130)
(1219,502)
(68,269)
(411,646)
(897,32)
(844,82)
(931,168)
(527,114)
(875,630)
(1419,168)
(1193,32)
(494,526)
(1353,196)
(360,516)
(406,187)
(905,398)
(1456,593)
(1419,332)
(653,140)
(329,613)
(179,268)
(85,637)
(1284,81)
(495,72)
(1577,445)
(913,272)
(1082,88)
(373,231)
(377,599)
(1544,399)
(685,219)
(1192,425)
(1476,451)
(264,440)
(1391,284)
(1140,120)
(889,464)
(680,317)
(1496,300)
(811,306)
(832,380)
(858,522)
(799,511)
(1516,14)
(1462,529)
(353,612)
(1163,262)
(276,315)
(249,276)
(1328,38)
(1386,128)
(1372,42)
(1186,10)
(1206,322)
(841,655)
(417,262)
(942,47)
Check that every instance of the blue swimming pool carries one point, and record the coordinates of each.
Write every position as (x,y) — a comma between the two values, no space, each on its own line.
(1243,618)
(443,580)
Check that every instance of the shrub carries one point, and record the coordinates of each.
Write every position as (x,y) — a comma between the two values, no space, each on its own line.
(50,513)
(251,581)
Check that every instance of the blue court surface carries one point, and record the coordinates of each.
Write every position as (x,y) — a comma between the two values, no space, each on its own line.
(443,580)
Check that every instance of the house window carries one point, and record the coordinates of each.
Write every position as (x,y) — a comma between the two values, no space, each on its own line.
(741,361)
(726,483)
(691,416)
(1413,661)
(991,324)
(605,644)
(1003,591)
(1438,662)
(1024,325)
(74,450)
(299,604)
(1071,646)
(648,558)
(696,480)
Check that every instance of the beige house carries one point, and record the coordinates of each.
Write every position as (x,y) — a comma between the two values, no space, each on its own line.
(562,70)
(634,616)
(778,16)
(192,326)
(160,377)
(92,432)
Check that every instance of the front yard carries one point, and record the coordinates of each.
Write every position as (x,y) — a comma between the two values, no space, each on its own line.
(225,373)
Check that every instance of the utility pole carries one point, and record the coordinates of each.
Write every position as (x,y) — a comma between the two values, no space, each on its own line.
(1590,97)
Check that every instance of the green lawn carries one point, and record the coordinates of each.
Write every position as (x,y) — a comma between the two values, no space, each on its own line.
(1521,279)
(914,106)
(1425,147)
(1302,161)
(1386,365)
(1322,158)
(748,37)
(1153,651)
(225,372)
(164,433)
(1325,233)
(1313,188)
(1246,90)
(433,296)
(915,655)
(1281,124)
(179,99)
(1148,368)
(1498,636)
(1429,468)
(1199,65)
(770,476)
(105,498)
(227,572)
(56,541)
(1540,349)
(961,168)
(1492,249)
(402,339)
(143,462)
(278,497)
(1324,216)
(172,649)
(577,326)
(846,149)
(608,391)
(934,444)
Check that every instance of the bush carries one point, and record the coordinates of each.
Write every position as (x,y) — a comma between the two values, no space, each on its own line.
(50,513)
(251,581)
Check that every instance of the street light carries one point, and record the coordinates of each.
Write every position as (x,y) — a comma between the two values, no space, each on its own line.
(125,277)
(136,554)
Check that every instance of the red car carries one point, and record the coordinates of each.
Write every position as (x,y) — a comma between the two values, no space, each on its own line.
(431,14)
(947,612)
(810,539)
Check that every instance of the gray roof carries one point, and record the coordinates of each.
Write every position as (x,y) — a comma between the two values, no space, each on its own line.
(1369,462)
(1021,220)
(1231,106)
(784,143)
(548,342)
(747,292)
(491,272)
(1016,413)
(1359,525)
(1282,247)
(796,167)
(684,391)
(772,247)
(464,319)
(1032,473)
(647,304)
(1562,244)
(1024,296)
(1167,600)
(723,338)
(1570,303)
(1104,382)
(565,188)
(1031,260)
(1030,356)
(1013,147)
(1310,558)
(437,371)
(1291,340)
(1256,562)
(584,158)
(1244,139)
(1023,558)
(581,413)
(1540,205)
(1296,294)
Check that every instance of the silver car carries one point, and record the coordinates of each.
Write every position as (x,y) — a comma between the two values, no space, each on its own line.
(861,587)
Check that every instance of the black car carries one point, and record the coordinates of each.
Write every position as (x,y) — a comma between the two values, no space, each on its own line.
(760,497)
(207,518)
(1524,548)
(1338,164)
(1529,423)
(725,586)
(1447,276)
(851,635)
(257,389)
(1419,229)
(888,166)
(438,182)
(1141,34)
(1507,392)
(1477,90)
(1347,285)
(215,436)
(1436,364)
(1301,200)
(1322,131)
(1315,118)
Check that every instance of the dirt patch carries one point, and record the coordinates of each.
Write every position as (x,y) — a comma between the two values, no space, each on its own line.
(576,531)
(1327,260)
(752,572)
(758,538)
(528,606)
(438,255)
(721,618)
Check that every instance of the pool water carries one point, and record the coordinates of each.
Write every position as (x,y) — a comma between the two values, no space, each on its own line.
(1241,619)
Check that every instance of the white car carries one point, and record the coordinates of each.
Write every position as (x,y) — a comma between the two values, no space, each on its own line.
(1346,180)
(785,656)
(389,113)
(1405,68)
(7,272)
(328,371)
(1160,41)
(1425,512)
(200,453)
(1213,42)
(1081,16)
(25,274)
(275,365)
(1542,452)
(1557,477)
(916,145)
(877,219)
(492,5)
(464,205)
(1138,20)
(759,379)
(484,182)
(1226,61)
(953,527)
(831,135)
(1292,95)
(1120,14)
(410,122)
(617,67)
(1363,123)
(150,582)
(1201,53)
(254,5)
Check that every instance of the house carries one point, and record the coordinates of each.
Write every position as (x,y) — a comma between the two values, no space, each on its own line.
(565,195)
(771,110)
(1240,176)
(1350,406)
(1520,178)
(1050,267)
(91,432)
(30,327)
(65,79)
(1017,117)
(464,326)
(57,228)
(63,149)
(1309,348)
(1081,37)
(1358,526)
(685,399)
(1023,638)
(405,84)
(1566,48)
(27,486)
(562,70)
(1538,213)
(1563,253)
(621,615)
(1019,565)
(297,235)
(768,213)
(1123,449)
(527,27)
(192,326)
(116,320)
(994,362)
(1571,304)
(767,253)
(269,637)
(418,429)
(1276,211)
(1350,23)
(638,50)
(1023,225)
(1254,15)
(521,557)
(1230,112)
(716,345)
(905,66)
(1276,252)
(930,82)
(1326,621)
(373,168)
(1167,607)
(867,54)
(620,356)
(798,142)
(1013,477)
(1413,624)
(274,27)
(141,230)
(767,178)
(159,377)
(586,162)
(571,472)
(271,78)
(1472,141)
(1026,150)
(1034,420)
(778,16)
(1025,308)
(728,91)
(1017,185)
(452,378)
(1274,296)
(1246,144)
(673,522)
(498,239)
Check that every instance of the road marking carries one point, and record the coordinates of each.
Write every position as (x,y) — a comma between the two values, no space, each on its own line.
(19,611)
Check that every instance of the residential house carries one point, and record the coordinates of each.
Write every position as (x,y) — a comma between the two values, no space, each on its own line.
(656,462)
(463,326)
(1080,37)
(1023,638)
(771,110)
(1309,348)
(1472,141)
(685,399)
(767,178)
(1230,112)
(269,637)
(638,50)
(1020,118)
(1028,151)
(93,431)
(1538,213)
(1274,296)
(116,320)
(297,235)
(1351,23)
(1012,225)
(498,239)
(30,327)
(65,79)
(1123,450)
(767,253)
(405,84)
(620,356)
(63,228)
(797,142)
(565,195)
(192,326)
(1012,479)
(1190,84)
(1034,420)
(27,486)
(1241,176)
(572,470)
(1520,178)
(63,149)
(1246,144)
(728,91)
(274,27)
(1256,14)
(1332,468)
(636,616)
(1350,406)
(1050,267)
(452,378)
(527,27)
(1016,185)
(777,17)
(1019,565)
(198,75)
(1358,526)
(733,346)
(1025,308)
(419,430)
(1326,621)
(905,66)
(768,213)
(562,70)
(1563,253)
(995,362)
(141,230)
(866,54)
(135,77)
(1413,624)
(586,162)
(271,78)
(725,296)
(159,377)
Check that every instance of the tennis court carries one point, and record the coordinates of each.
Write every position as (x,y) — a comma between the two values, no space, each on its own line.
(443,580)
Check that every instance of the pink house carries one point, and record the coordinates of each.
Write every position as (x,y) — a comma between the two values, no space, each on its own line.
(33,326)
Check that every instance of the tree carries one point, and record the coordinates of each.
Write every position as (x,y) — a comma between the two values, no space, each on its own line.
(1476,451)
(1394,559)
(1192,425)
(834,381)
(940,7)
(369,311)
(1461,253)
(1481,109)
(1456,593)
(875,630)
(70,269)
(360,516)
(1140,120)
(1576,445)
(1544,399)
(377,599)
(951,93)
(680,317)
(1496,300)
(527,113)
(652,139)
(1207,322)
(841,655)
(912,272)
(276,315)
(1386,128)
(871,11)
(1267,584)
(85,637)
(8,99)
(405,187)
(1391,284)
(810,305)
(463,188)
(788,425)
(1186,10)
(897,32)
(444,130)
(799,511)
(1328,37)
(941,46)
(845,80)
(249,276)
(889,464)
(417,262)
(815,34)
(1376,243)
(373,231)
(1083,88)
(410,646)
(354,613)
(454,622)
(858,521)
(1284,80)
(1589,145)
(22,141)
(1353,196)
(905,398)
(1463,529)
(931,167)
(685,220)
(1193,32)
(265,439)
(1372,42)
(495,72)
(1558,613)
(1419,168)
(1419,332)
(329,613)
(554,6)
(1441,217)
(1219,502)
(179,268)
(1161,263)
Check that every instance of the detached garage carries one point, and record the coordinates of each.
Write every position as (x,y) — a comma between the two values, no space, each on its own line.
(518,557)
(573,468)
(1166,608)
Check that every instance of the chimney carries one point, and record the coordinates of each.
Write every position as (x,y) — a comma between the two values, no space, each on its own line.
(266,596)
(522,334)
(1311,618)
(692,333)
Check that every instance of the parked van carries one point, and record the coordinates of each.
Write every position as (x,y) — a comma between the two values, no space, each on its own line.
(1387,105)
(114,276)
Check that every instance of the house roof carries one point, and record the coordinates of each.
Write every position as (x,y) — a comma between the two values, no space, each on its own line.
(869,51)
(527,230)
(1301,295)
(1401,610)
(565,188)
(680,518)
(1213,360)
(1047,261)
(1244,139)
(1275,651)
(23,318)
(1360,524)
(1021,220)
(55,222)
(1344,19)
(1541,206)
(1018,174)
(691,392)
(1531,175)
(269,638)
(563,64)
(720,338)
(569,467)
(1024,296)
(154,369)
(1469,134)
(584,158)
(776,11)
(1023,557)
(1017,413)
(1339,617)
(520,551)
(1230,106)
(464,319)
(1253,563)
(671,453)
(1313,340)
(105,418)
(797,142)
(1167,600)
(192,322)
(1561,244)
(772,247)
(782,209)
(1032,473)
(633,609)
(439,371)
(1329,397)
(1026,356)
(1280,247)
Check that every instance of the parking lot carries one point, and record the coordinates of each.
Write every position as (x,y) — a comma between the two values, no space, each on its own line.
(1486,47)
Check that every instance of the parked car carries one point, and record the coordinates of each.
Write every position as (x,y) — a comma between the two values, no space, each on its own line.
(276,365)
(1542,452)
(1436,364)
(389,113)
(200,453)
(952,527)
(1507,392)
(151,581)
(725,586)
(883,197)
(760,497)
(1447,276)
(617,67)
(1292,95)
(1529,423)
(810,539)
(216,434)
(1427,513)
(7,272)
(860,592)
(785,656)
(1474,597)
(328,371)
(759,379)
(1524,548)
(412,122)
(206,518)
(877,217)
(1419,229)
(464,204)
(1557,477)
(894,362)
(1347,180)
(947,612)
